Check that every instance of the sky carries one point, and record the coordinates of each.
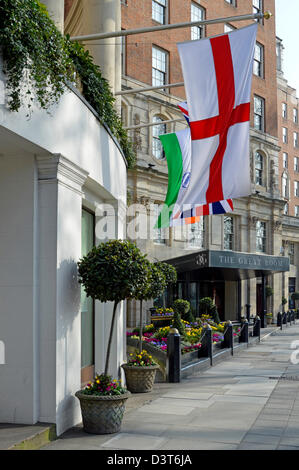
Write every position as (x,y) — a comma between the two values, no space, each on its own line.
(287,28)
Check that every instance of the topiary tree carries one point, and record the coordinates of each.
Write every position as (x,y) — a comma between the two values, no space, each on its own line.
(112,272)
(269,291)
(295,296)
(169,272)
(205,305)
(154,287)
(180,307)
(214,314)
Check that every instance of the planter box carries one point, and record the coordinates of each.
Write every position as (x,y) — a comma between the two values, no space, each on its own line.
(140,379)
(102,414)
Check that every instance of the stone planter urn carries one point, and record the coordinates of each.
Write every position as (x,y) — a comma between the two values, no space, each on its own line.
(140,379)
(102,414)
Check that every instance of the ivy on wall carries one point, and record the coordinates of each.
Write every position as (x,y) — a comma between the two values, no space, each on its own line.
(39,62)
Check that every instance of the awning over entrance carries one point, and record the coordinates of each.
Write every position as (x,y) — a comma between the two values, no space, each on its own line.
(229,265)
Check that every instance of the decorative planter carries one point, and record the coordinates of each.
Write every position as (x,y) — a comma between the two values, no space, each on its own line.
(140,379)
(102,414)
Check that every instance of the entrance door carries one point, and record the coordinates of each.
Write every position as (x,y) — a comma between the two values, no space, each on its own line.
(87,305)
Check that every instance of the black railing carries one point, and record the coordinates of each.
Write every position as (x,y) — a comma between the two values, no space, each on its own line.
(206,351)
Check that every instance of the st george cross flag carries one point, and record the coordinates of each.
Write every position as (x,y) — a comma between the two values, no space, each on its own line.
(189,216)
(177,148)
(217,74)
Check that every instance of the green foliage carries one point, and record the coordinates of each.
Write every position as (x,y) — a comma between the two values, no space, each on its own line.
(214,314)
(269,291)
(178,324)
(284,301)
(205,305)
(104,385)
(169,272)
(181,306)
(295,296)
(155,283)
(113,271)
(39,62)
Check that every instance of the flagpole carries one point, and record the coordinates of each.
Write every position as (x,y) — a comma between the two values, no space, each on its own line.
(151,124)
(150,88)
(150,29)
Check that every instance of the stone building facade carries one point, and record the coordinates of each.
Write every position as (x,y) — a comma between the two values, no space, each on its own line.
(258,224)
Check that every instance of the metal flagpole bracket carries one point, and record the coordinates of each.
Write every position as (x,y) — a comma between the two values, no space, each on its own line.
(267,15)
(152,29)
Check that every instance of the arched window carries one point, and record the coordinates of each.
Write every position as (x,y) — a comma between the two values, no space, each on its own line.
(160,129)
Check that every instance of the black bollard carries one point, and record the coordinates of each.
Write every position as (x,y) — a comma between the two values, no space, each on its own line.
(244,335)
(174,356)
(248,306)
(279,319)
(228,341)
(206,349)
(257,327)
(284,318)
(290,317)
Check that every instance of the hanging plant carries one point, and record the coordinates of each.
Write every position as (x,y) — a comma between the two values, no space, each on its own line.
(39,62)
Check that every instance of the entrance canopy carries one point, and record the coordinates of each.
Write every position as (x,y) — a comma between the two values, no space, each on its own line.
(229,265)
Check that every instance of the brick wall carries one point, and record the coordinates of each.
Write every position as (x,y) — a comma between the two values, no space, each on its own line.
(137,14)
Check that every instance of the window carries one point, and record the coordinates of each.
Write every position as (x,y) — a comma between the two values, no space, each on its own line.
(285,185)
(258,60)
(261,237)
(284,135)
(291,252)
(197,14)
(157,147)
(159,233)
(159,11)
(259,167)
(296,211)
(285,160)
(295,115)
(231,2)
(257,7)
(159,67)
(286,209)
(87,303)
(296,188)
(284,110)
(295,139)
(296,164)
(228,236)
(228,28)
(196,234)
(259,113)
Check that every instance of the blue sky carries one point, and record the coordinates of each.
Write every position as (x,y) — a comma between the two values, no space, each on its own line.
(287,28)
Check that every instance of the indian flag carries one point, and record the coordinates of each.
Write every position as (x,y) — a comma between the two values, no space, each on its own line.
(177,148)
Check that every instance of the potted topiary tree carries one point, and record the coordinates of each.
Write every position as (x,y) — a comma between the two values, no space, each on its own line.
(141,370)
(113,271)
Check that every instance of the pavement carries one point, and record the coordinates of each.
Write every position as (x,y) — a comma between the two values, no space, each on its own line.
(247,402)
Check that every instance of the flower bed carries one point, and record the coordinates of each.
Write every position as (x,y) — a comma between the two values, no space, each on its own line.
(157,336)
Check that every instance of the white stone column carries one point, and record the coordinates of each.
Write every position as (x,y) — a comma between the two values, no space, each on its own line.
(60,219)
(56,12)
(104,16)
